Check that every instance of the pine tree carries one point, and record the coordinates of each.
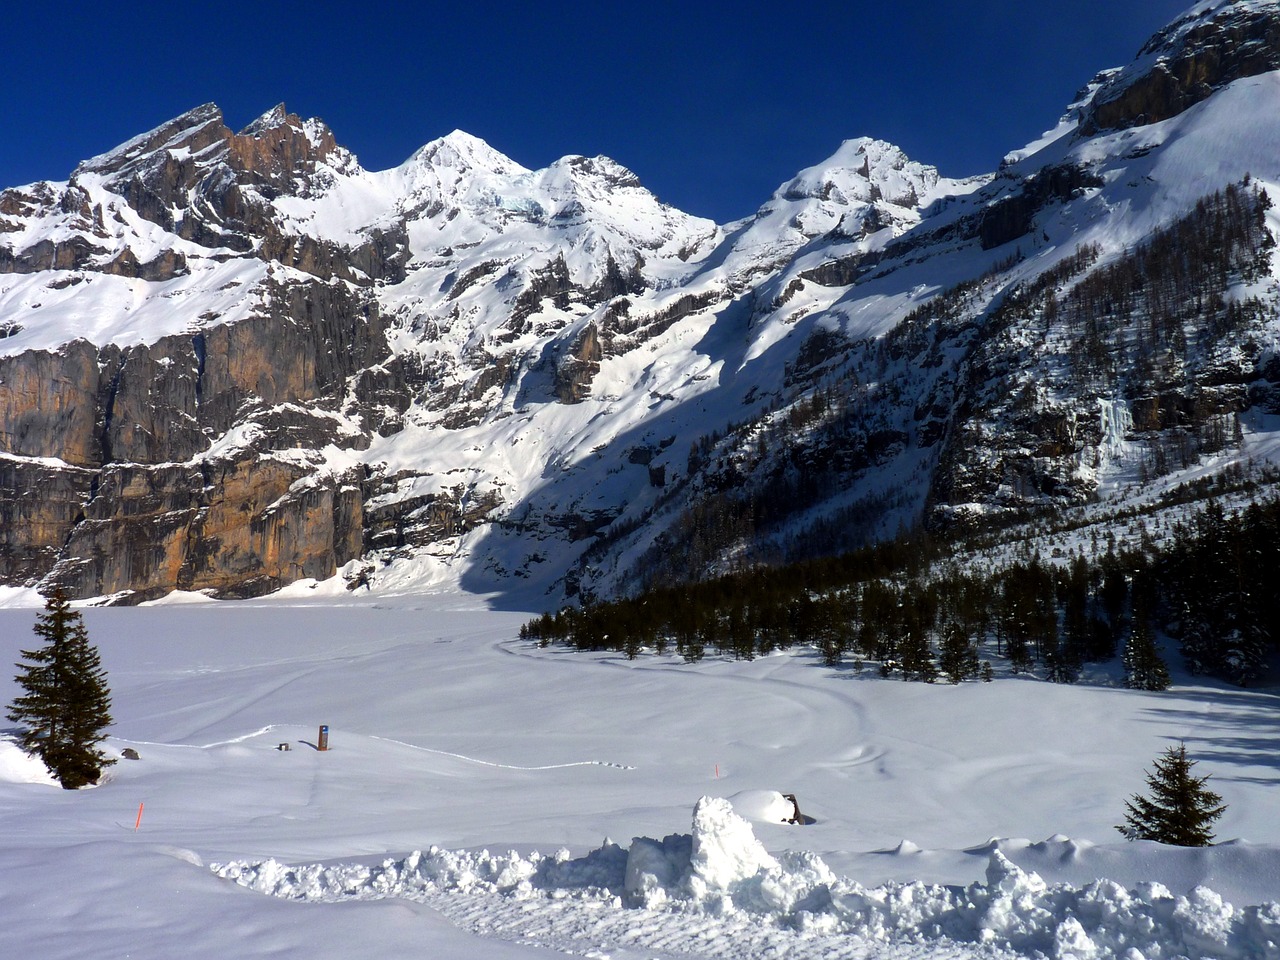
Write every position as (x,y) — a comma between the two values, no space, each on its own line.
(959,657)
(1061,666)
(1144,669)
(1180,808)
(67,704)
(1077,625)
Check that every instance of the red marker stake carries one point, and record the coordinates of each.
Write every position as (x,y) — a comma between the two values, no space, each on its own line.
(137,823)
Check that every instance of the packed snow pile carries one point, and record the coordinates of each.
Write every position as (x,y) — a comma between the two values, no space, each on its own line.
(18,766)
(765,806)
(722,871)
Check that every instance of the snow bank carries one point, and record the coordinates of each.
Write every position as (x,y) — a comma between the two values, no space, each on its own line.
(18,766)
(765,806)
(722,871)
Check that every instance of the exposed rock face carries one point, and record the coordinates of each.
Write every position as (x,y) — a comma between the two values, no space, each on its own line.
(49,404)
(151,511)
(142,507)
(1011,217)
(239,528)
(575,373)
(1185,63)
(40,503)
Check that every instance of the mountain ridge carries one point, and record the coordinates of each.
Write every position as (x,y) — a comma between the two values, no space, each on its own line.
(240,359)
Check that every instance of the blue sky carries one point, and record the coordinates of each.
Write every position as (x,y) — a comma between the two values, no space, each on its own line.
(712,104)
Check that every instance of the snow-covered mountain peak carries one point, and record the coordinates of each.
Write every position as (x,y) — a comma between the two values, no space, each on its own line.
(605,199)
(864,171)
(450,174)
(867,191)
(458,191)
(278,152)
(275,117)
(462,153)
(596,173)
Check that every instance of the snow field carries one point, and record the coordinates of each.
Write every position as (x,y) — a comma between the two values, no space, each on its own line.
(452,739)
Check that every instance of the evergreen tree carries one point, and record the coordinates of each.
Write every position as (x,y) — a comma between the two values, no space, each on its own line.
(66,705)
(1113,596)
(1027,613)
(1217,571)
(1019,654)
(1144,669)
(1077,625)
(1062,665)
(959,657)
(1180,808)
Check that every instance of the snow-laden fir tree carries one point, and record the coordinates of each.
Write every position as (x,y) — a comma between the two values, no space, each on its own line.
(1180,808)
(66,705)
(1144,669)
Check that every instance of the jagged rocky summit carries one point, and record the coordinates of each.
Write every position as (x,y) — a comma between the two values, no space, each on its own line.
(231,361)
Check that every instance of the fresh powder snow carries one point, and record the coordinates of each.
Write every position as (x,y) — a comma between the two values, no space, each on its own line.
(486,798)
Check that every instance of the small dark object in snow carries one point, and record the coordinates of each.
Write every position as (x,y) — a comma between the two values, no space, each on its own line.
(796,815)
(130,754)
(284,746)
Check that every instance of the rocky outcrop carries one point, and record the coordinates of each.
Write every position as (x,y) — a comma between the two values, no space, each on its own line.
(40,503)
(49,404)
(1012,216)
(578,369)
(395,523)
(196,179)
(74,253)
(135,504)
(1185,63)
(238,527)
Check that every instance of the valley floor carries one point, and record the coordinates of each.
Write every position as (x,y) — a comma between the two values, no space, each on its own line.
(523,775)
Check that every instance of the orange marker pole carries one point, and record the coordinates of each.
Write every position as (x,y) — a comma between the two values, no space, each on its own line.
(717,771)
(137,823)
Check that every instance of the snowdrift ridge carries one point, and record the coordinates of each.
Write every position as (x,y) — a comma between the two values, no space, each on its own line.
(722,871)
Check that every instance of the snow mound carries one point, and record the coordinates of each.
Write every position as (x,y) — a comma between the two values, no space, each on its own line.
(763,806)
(721,872)
(18,766)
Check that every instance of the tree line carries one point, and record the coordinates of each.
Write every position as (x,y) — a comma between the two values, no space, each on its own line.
(904,609)
(1161,308)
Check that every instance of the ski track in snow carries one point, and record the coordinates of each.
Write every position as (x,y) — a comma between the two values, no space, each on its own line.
(201,746)
(717,893)
(846,711)
(505,766)
(399,743)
